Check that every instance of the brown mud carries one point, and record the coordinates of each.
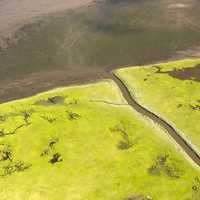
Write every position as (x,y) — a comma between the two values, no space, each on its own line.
(43,81)
(189,73)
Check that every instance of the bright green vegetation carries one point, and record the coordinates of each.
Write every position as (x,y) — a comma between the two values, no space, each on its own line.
(85,142)
(172,91)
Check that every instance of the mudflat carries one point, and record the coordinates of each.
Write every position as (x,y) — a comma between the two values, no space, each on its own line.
(17,13)
(45,44)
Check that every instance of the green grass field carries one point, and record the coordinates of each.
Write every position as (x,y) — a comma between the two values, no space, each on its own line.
(86,143)
(160,88)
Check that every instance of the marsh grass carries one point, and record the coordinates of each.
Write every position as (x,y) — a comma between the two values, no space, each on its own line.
(78,158)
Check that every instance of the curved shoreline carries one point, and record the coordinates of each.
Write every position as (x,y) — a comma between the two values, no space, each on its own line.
(186,147)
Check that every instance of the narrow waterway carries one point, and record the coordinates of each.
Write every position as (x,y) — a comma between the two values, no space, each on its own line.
(186,147)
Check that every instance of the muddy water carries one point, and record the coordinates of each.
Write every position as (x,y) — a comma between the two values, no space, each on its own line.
(83,44)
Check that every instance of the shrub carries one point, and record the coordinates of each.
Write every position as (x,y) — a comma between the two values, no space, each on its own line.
(72,115)
(56,158)
(138,197)
(17,166)
(164,164)
(5,153)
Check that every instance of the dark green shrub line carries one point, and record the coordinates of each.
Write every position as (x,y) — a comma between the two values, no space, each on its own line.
(52,142)
(196,186)
(49,150)
(26,116)
(196,107)
(196,189)
(45,152)
(3,133)
(8,166)
(56,158)
(138,197)
(72,115)
(13,167)
(5,153)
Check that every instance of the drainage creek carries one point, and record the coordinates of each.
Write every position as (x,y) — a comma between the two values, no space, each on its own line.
(158,120)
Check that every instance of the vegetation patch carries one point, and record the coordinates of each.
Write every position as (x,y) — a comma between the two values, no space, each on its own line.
(50,148)
(72,115)
(8,164)
(26,114)
(3,118)
(51,101)
(164,164)
(12,167)
(4,133)
(56,158)
(138,197)
(5,152)
(49,119)
(195,189)
(126,142)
